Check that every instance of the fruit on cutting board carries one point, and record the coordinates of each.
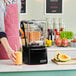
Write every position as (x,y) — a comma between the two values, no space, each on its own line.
(64,58)
(58,42)
(61,57)
(65,42)
(57,55)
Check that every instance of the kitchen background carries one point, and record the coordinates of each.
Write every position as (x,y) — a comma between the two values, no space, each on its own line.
(36,11)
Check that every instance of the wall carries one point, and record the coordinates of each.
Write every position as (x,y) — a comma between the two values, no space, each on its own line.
(36,10)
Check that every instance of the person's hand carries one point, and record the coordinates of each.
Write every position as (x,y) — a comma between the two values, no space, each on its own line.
(11,55)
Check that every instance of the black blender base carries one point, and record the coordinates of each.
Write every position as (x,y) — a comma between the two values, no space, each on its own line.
(35,55)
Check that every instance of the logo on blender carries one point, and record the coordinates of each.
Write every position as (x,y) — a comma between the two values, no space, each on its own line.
(54,0)
(42,61)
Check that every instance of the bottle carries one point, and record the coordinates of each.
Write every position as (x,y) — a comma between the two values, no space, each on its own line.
(54,24)
(61,25)
(56,31)
(50,34)
(49,29)
(57,35)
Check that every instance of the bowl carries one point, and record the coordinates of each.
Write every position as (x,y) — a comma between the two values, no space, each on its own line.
(73,44)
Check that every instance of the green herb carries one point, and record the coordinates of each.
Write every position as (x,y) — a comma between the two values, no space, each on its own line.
(20,50)
(66,34)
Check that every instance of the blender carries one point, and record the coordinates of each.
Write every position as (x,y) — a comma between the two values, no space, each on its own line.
(34,50)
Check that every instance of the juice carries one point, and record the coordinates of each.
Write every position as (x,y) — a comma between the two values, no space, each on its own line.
(18,58)
(34,36)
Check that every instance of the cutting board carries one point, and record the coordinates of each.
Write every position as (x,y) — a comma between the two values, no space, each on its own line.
(71,62)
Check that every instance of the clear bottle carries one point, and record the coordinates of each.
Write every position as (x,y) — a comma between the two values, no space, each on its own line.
(49,29)
(54,24)
(54,28)
(57,27)
(61,24)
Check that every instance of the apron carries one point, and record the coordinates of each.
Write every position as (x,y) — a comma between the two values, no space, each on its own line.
(11,29)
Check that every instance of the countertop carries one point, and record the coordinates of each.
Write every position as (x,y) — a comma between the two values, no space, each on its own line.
(8,66)
(54,48)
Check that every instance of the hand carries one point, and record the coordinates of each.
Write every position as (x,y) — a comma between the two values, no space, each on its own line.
(11,55)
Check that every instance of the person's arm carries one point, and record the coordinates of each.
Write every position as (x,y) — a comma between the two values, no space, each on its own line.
(3,36)
(8,49)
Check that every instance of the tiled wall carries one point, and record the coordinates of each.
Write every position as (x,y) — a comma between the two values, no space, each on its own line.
(36,10)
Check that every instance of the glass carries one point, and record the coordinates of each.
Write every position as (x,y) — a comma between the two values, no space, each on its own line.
(18,58)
